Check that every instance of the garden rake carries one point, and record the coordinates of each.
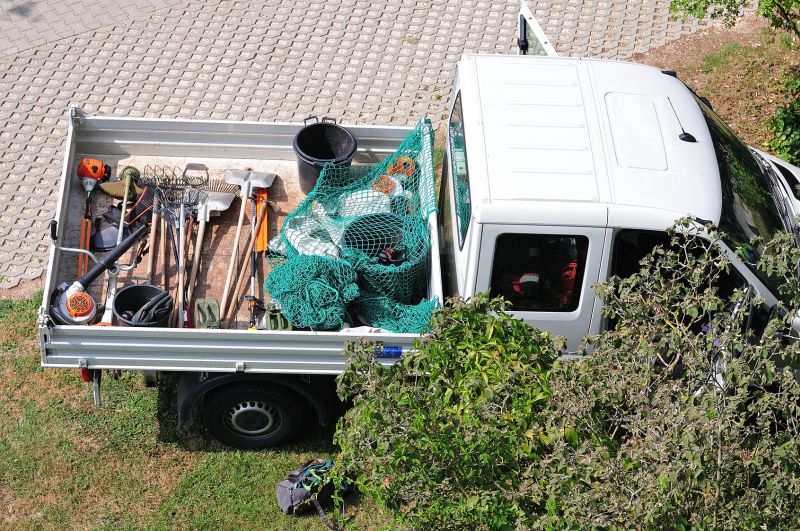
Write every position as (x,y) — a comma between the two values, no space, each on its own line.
(179,192)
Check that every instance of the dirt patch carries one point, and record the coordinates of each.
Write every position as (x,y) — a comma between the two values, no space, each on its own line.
(687,52)
(737,69)
(23,290)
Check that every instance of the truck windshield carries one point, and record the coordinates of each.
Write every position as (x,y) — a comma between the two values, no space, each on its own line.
(748,201)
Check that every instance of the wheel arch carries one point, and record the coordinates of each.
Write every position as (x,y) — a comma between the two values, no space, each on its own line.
(192,386)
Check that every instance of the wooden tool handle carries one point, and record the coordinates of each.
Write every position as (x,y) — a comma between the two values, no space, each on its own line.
(162,253)
(243,273)
(151,242)
(262,196)
(201,231)
(83,260)
(181,265)
(234,259)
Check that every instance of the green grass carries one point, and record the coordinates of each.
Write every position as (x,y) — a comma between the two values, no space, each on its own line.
(723,58)
(67,464)
(439,153)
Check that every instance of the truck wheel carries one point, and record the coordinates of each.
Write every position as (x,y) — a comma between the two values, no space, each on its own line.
(250,416)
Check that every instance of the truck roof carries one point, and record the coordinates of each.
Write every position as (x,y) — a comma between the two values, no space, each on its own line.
(592,138)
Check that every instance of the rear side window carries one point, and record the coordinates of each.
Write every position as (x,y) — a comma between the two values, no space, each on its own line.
(458,161)
(630,246)
(538,272)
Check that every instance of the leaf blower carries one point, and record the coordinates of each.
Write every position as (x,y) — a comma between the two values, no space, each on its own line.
(71,304)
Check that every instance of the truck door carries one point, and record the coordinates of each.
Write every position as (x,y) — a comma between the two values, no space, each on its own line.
(531,40)
(547,273)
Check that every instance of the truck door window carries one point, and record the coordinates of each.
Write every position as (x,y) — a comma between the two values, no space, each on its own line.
(540,273)
(630,246)
(458,161)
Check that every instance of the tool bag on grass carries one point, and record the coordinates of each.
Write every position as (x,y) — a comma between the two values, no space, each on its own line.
(305,486)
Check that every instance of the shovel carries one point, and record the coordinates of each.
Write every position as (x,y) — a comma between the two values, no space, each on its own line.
(219,198)
(247,180)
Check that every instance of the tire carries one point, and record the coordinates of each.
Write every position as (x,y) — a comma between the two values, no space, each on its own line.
(252,416)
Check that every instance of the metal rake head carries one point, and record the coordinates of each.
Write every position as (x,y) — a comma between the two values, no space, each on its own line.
(172,200)
(172,177)
(177,190)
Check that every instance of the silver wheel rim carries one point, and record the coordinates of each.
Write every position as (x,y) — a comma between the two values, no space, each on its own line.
(252,418)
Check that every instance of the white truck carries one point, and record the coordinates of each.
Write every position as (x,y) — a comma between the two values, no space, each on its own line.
(559,173)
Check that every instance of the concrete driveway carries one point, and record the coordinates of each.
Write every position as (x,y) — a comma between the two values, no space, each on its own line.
(361,61)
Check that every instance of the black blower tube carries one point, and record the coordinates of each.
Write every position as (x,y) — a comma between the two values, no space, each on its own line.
(112,256)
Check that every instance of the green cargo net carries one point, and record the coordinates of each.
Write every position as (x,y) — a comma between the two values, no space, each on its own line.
(356,250)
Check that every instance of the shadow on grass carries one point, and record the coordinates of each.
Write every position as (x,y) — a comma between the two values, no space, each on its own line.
(193,436)
(167,411)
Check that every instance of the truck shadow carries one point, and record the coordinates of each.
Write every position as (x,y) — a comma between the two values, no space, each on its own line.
(193,436)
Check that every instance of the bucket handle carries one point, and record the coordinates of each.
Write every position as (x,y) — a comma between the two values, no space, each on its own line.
(325,119)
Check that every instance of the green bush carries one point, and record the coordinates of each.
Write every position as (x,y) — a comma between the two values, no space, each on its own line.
(443,436)
(683,417)
(686,414)
(785,125)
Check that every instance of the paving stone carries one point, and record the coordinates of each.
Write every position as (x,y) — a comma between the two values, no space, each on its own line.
(361,61)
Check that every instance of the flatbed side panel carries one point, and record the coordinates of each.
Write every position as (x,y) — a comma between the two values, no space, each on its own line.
(435,267)
(170,349)
(60,216)
(219,139)
(434,264)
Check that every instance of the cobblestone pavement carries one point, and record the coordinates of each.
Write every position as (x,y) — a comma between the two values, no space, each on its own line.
(363,61)
(25,24)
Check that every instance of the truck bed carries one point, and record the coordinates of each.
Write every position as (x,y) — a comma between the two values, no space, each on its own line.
(220,146)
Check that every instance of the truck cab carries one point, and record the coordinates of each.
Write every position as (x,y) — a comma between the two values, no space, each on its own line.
(561,172)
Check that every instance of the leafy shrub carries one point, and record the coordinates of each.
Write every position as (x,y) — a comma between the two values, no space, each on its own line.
(785,125)
(685,415)
(442,437)
(682,417)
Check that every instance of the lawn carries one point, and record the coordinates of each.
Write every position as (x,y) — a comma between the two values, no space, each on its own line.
(67,464)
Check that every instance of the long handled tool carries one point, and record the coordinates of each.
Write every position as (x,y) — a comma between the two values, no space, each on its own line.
(247,180)
(176,203)
(178,194)
(181,261)
(197,176)
(261,200)
(162,254)
(219,198)
(231,311)
(128,173)
(151,242)
(90,172)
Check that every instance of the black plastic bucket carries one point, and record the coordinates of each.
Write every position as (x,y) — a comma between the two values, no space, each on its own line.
(319,143)
(130,300)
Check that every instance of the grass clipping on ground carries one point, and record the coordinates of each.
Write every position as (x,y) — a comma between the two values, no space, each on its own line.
(739,70)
